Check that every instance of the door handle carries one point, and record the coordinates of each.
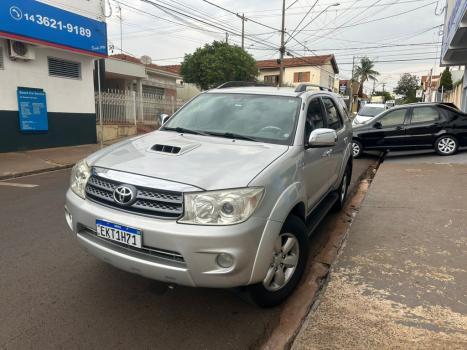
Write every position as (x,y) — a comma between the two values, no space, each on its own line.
(399,128)
(327,153)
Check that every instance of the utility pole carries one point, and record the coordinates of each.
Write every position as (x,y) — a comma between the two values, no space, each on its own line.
(351,85)
(374,86)
(383,87)
(226,37)
(121,27)
(282,48)
(429,86)
(242,17)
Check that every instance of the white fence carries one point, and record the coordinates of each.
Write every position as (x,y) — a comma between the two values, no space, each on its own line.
(127,108)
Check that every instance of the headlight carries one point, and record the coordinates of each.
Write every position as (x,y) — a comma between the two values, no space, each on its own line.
(224,207)
(79,177)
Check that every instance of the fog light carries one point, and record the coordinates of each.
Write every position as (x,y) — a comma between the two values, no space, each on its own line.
(225,260)
(69,219)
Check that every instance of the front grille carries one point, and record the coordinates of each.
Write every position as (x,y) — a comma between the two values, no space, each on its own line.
(149,201)
(158,253)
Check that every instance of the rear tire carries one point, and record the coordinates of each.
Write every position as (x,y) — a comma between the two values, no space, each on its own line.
(288,262)
(343,189)
(357,149)
(446,145)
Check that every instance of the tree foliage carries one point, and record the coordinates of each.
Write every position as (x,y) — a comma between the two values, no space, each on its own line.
(364,72)
(217,63)
(446,80)
(407,87)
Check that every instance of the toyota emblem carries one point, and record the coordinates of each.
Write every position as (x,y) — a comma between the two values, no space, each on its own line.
(124,194)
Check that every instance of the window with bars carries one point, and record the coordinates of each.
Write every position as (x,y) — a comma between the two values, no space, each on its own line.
(63,68)
(271,79)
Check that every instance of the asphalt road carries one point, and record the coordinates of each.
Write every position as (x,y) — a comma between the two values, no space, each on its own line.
(53,295)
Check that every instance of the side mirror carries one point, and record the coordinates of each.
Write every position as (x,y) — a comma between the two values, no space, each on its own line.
(163,118)
(378,125)
(322,138)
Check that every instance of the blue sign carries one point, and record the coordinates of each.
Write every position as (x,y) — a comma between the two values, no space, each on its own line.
(48,25)
(452,24)
(32,108)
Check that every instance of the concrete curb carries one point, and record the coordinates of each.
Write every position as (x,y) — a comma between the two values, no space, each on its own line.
(307,297)
(35,172)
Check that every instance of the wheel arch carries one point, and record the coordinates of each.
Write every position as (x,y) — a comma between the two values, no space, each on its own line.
(290,202)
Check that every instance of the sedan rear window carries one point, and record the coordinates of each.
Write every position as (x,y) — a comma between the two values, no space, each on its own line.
(370,111)
(424,114)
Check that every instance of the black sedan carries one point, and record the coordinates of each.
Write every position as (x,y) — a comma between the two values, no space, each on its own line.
(413,126)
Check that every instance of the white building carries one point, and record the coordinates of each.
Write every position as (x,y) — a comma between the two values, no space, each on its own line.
(319,70)
(48,48)
(454,49)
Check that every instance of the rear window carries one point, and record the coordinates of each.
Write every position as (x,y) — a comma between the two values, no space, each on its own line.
(370,111)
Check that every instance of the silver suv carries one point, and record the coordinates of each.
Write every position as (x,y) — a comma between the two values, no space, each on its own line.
(224,195)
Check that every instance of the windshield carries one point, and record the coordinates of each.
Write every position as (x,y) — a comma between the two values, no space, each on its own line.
(370,111)
(261,118)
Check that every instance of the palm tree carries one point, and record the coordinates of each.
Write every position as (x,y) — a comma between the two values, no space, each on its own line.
(364,72)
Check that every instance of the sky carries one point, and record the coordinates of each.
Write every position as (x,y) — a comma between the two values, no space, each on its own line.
(409,37)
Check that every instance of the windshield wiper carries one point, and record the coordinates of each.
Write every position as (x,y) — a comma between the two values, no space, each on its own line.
(231,135)
(185,131)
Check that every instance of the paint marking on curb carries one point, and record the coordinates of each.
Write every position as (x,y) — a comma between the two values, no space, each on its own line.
(15,184)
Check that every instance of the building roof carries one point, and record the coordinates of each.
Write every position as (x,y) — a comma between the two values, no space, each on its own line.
(300,62)
(151,66)
(174,68)
(123,57)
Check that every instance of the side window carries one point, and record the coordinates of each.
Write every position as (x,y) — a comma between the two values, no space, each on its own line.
(393,118)
(334,121)
(424,114)
(314,117)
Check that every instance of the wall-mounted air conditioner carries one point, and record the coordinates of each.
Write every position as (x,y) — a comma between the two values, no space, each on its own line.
(21,51)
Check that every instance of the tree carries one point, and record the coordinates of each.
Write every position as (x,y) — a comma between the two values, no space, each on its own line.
(364,72)
(446,80)
(217,63)
(407,87)
(387,95)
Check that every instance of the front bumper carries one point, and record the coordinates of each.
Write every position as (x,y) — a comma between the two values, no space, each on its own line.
(175,253)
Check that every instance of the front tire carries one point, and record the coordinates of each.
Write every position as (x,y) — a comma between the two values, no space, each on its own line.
(288,262)
(446,145)
(357,149)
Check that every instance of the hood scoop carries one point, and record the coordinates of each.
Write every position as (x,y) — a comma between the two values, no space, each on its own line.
(173,148)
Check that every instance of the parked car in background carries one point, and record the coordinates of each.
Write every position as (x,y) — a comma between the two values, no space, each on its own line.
(390,104)
(224,195)
(368,112)
(413,126)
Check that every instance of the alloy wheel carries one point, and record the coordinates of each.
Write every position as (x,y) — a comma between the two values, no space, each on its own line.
(284,262)
(446,145)
(355,149)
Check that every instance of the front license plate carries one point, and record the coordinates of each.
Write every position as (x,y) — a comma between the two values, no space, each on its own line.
(119,233)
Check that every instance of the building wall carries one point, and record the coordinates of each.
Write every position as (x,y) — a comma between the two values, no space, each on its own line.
(94,9)
(70,102)
(318,75)
(63,95)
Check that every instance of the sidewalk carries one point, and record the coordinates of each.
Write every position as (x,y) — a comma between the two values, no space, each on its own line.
(16,164)
(401,280)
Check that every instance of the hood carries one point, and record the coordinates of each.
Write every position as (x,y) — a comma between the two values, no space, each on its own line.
(203,161)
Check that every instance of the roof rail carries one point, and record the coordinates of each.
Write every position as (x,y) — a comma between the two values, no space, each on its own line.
(303,87)
(230,84)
